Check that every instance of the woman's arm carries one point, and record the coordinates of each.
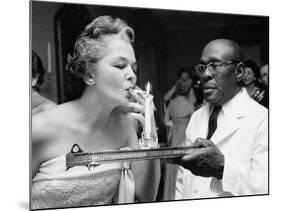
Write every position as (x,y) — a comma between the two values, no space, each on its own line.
(146,174)
(147,178)
(167,120)
(170,93)
(37,142)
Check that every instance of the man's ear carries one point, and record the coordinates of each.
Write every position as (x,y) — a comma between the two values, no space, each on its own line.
(240,71)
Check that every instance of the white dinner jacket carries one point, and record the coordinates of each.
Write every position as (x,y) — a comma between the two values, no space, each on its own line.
(242,136)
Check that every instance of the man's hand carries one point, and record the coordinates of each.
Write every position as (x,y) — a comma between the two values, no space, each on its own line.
(206,161)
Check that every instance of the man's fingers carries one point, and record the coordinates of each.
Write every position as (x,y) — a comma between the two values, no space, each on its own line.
(186,159)
(200,142)
(186,143)
(193,156)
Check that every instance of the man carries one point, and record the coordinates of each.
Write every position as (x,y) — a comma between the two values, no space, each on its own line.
(233,159)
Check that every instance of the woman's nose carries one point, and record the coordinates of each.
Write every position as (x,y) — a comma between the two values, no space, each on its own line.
(131,76)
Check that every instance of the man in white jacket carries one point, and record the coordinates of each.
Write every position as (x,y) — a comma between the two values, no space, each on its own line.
(230,131)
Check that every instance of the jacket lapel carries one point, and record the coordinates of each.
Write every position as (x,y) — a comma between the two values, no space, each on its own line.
(233,112)
(226,130)
(200,129)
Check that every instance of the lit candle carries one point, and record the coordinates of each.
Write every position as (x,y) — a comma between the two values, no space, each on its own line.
(147,113)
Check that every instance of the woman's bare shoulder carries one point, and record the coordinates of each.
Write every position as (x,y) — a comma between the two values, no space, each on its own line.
(45,121)
(48,129)
(47,125)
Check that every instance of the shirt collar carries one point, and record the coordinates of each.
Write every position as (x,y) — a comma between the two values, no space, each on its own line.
(235,106)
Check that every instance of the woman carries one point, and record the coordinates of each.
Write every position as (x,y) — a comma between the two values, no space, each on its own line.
(38,103)
(183,75)
(104,61)
(177,117)
(180,107)
(250,80)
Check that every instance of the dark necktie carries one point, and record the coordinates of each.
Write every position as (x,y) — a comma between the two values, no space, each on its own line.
(213,121)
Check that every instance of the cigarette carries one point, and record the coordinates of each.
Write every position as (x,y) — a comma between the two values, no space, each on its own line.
(137,90)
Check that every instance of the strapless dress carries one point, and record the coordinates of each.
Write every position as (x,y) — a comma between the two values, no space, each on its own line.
(55,187)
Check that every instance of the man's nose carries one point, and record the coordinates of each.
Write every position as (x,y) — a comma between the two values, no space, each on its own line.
(206,75)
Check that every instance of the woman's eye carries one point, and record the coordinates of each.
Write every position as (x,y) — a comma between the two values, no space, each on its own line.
(120,66)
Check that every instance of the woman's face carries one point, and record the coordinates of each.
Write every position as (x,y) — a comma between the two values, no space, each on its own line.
(264,75)
(249,76)
(115,72)
(184,83)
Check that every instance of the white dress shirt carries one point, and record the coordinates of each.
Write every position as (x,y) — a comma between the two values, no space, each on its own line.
(242,137)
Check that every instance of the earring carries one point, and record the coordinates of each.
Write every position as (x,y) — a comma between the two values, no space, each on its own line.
(91,82)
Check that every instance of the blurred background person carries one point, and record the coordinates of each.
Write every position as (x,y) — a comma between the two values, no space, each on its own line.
(264,81)
(179,88)
(198,90)
(181,105)
(181,100)
(264,75)
(39,103)
(251,80)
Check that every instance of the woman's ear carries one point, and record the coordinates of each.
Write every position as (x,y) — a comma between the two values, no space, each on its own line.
(89,79)
(240,71)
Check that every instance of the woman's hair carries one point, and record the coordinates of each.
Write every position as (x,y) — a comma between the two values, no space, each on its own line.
(181,71)
(90,44)
(37,70)
(184,70)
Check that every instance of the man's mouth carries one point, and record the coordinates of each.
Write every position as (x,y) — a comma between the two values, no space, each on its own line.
(209,87)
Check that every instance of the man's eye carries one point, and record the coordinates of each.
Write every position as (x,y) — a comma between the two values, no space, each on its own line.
(213,65)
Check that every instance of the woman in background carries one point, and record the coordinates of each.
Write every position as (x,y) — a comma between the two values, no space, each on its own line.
(251,82)
(177,88)
(38,102)
(177,117)
(104,63)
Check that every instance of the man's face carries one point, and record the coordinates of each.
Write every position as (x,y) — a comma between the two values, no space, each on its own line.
(264,75)
(222,86)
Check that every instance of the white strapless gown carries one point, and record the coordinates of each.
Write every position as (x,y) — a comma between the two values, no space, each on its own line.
(55,187)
